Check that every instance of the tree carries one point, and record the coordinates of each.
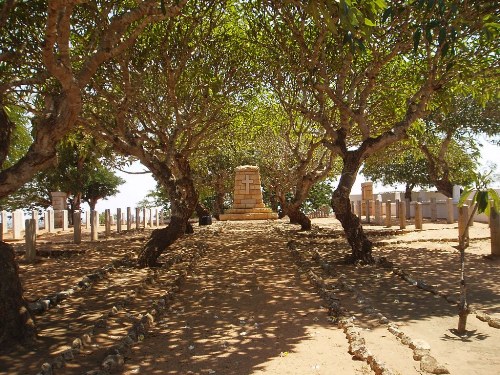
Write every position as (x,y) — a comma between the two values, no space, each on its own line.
(483,200)
(49,52)
(182,81)
(368,71)
(291,155)
(448,140)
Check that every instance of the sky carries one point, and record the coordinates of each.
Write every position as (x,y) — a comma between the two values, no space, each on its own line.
(137,186)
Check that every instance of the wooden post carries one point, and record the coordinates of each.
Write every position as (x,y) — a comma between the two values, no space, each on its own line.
(137,218)
(388,219)
(433,210)
(107,222)
(358,209)
(398,206)
(94,225)
(402,214)
(494,230)
(450,217)
(30,240)
(418,216)
(129,218)
(77,227)
(463,229)
(368,211)
(118,220)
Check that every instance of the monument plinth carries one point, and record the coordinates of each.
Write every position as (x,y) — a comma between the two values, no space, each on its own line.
(248,204)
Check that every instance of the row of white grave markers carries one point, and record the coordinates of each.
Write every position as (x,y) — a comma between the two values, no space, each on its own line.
(151,217)
(402,214)
(383,210)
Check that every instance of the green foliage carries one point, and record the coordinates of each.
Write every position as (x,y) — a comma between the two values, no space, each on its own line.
(483,196)
(319,196)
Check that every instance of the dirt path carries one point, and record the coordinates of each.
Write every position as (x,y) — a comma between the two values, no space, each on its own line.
(246,309)
(263,297)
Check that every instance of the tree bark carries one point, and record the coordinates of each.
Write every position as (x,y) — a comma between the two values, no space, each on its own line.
(298,217)
(6,127)
(184,201)
(445,187)
(361,246)
(17,325)
(161,239)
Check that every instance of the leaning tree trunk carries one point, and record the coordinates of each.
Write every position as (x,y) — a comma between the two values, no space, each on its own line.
(16,322)
(161,239)
(298,217)
(361,246)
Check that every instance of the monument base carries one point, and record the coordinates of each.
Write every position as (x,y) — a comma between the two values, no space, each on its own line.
(249,214)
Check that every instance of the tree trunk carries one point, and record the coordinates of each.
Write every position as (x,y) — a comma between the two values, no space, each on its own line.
(6,127)
(184,201)
(444,187)
(161,239)
(298,217)
(219,204)
(201,210)
(361,246)
(16,323)
(408,191)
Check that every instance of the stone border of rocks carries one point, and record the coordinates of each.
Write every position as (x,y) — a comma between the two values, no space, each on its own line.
(115,359)
(357,347)
(43,304)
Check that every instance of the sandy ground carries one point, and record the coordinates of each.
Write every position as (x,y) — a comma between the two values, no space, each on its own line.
(246,306)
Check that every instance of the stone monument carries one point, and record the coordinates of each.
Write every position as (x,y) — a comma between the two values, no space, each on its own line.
(59,204)
(248,204)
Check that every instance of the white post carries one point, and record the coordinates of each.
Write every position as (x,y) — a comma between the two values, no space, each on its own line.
(17,227)
(358,209)
(368,213)
(34,216)
(50,226)
(65,224)
(87,219)
(157,211)
(4,221)
(144,217)
(378,213)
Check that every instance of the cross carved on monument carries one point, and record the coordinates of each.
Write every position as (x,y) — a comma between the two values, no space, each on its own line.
(247,181)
